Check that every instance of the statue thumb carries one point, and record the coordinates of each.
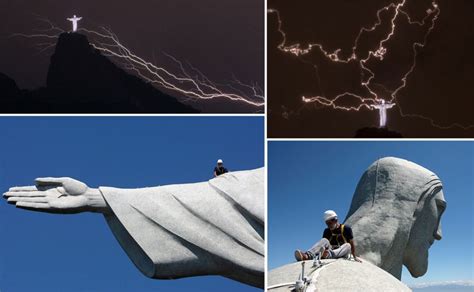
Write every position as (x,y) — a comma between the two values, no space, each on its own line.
(73,187)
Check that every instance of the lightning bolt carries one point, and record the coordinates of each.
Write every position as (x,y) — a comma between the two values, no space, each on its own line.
(51,32)
(185,80)
(377,53)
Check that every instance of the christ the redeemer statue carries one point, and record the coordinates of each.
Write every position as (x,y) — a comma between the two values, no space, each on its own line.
(207,228)
(382,107)
(74,21)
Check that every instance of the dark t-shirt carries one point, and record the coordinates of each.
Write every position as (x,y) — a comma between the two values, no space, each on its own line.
(335,237)
(220,170)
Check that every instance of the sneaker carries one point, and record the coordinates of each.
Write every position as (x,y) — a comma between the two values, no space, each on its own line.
(301,256)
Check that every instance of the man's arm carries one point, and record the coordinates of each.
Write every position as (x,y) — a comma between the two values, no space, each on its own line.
(350,236)
(327,234)
(353,250)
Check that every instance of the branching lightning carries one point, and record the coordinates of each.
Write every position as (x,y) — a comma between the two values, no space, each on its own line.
(376,53)
(186,81)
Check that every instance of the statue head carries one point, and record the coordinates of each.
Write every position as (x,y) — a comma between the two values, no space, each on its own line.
(395,215)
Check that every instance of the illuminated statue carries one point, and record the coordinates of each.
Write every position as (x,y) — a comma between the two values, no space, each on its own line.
(74,21)
(382,107)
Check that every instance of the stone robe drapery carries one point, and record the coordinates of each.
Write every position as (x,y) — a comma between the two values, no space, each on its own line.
(206,228)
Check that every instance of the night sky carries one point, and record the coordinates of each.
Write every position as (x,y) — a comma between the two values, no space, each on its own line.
(220,38)
(440,87)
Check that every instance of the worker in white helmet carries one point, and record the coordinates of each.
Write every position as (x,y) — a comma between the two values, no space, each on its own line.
(220,169)
(337,241)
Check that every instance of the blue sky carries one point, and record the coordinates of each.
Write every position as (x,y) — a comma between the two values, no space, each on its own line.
(47,252)
(307,178)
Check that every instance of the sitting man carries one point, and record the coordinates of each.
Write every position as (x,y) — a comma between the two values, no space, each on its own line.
(220,169)
(337,241)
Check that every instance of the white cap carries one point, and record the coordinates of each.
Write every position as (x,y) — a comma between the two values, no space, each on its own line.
(329,214)
(220,161)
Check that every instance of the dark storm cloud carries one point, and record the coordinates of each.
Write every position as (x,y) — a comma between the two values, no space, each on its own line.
(439,88)
(220,38)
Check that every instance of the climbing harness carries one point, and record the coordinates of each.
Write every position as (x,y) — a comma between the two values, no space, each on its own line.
(336,235)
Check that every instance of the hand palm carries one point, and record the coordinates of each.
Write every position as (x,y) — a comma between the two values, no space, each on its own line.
(57,200)
(53,195)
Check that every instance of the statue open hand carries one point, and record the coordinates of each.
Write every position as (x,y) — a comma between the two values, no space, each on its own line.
(55,195)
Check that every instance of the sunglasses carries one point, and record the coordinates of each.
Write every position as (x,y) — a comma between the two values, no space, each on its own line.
(331,220)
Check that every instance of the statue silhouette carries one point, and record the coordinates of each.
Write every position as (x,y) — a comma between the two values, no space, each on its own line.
(74,21)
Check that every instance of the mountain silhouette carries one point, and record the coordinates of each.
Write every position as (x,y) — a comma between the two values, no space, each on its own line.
(372,132)
(82,80)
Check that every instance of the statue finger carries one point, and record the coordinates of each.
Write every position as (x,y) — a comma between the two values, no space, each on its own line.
(14,200)
(33,206)
(24,194)
(50,181)
(23,189)
(47,187)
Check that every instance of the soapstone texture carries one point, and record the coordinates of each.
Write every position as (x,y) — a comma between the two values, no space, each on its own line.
(207,228)
(395,215)
(336,275)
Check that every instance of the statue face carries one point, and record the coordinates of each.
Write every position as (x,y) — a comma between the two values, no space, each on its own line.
(426,229)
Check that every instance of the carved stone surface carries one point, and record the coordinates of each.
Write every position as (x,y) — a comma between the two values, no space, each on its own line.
(335,275)
(207,228)
(175,231)
(395,215)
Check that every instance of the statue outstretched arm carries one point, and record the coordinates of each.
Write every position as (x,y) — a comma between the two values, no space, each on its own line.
(175,231)
(63,195)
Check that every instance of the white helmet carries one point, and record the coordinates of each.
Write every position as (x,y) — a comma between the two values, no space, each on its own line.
(220,161)
(329,214)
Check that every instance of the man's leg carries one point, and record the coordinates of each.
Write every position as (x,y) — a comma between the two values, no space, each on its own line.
(341,252)
(320,246)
